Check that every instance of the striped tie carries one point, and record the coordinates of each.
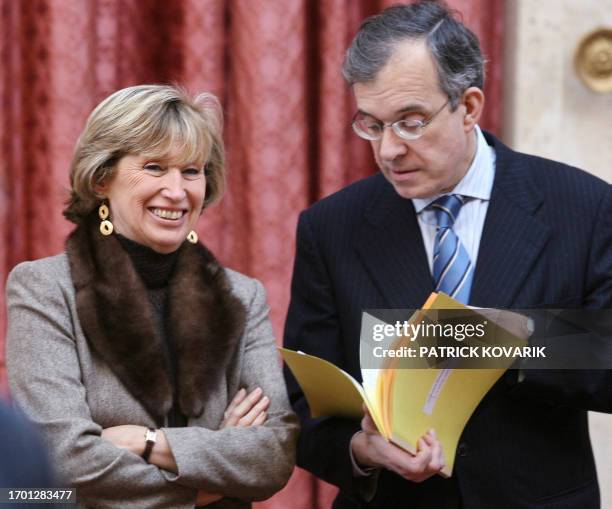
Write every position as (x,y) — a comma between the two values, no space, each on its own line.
(452,268)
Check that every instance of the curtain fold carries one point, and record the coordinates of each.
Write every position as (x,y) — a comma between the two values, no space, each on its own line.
(274,64)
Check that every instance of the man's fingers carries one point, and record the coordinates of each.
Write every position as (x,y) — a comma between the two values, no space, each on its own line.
(427,461)
(414,468)
(423,455)
(437,455)
(367,423)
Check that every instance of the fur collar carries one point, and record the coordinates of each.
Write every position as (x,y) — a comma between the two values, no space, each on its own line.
(204,318)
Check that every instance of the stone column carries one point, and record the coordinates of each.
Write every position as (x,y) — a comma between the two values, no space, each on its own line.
(550,112)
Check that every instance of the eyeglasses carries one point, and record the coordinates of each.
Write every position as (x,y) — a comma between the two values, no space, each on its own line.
(369,128)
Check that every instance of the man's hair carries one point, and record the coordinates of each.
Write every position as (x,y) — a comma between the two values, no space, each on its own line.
(454,47)
(148,120)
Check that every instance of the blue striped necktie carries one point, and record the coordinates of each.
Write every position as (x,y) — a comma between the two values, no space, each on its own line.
(452,268)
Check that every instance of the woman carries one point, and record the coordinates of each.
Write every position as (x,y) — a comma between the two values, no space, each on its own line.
(151,370)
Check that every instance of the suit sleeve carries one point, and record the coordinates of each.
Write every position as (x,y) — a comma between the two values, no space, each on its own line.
(45,381)
(580,388)
(249,463)
(599,289)
(313,326)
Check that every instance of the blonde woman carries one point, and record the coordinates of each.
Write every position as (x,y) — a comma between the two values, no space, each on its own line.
(150,369)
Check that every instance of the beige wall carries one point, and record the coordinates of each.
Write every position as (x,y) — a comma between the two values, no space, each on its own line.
(548,110)
(551,113)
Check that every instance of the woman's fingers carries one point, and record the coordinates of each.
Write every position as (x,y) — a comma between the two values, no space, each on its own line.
(238,398)
(249,418)
(245,408)
(260,419)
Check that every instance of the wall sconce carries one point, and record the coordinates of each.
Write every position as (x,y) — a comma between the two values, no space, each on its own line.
(593,60)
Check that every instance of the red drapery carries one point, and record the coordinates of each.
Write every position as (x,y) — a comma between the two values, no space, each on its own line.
(275,64)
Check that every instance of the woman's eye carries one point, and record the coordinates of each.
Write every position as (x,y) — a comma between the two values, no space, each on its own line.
(153,168)
(193,172)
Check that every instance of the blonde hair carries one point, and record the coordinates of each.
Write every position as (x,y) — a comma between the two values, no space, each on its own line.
(148,120)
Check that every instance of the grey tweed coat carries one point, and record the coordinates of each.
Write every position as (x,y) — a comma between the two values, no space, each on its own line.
(73,384)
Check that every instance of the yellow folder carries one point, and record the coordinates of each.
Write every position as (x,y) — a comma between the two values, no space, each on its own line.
(405,403)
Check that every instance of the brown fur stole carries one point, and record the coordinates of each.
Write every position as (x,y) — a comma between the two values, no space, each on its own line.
(204,318)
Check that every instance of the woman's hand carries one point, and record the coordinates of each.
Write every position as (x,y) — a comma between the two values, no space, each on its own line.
(128,436)
(132,438)
(246,409)
(205,498)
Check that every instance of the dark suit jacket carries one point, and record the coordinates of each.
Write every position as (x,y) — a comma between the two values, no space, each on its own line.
(546,242)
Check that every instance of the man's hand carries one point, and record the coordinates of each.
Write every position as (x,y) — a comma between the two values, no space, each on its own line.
(370,449)
(246,409)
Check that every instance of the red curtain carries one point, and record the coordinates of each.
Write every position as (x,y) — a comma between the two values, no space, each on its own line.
(275,64)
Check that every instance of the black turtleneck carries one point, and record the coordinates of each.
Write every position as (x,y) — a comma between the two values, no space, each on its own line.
(155,270)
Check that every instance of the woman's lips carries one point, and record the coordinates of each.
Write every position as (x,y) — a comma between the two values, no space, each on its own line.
(167,214)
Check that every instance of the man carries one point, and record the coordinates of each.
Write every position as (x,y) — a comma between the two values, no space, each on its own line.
(525,233)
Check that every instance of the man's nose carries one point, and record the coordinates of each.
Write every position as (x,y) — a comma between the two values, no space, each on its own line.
(391,145)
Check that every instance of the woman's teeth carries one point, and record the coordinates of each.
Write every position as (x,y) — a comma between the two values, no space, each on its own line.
(168,214)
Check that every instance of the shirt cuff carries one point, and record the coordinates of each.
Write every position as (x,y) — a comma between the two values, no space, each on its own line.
(357,470)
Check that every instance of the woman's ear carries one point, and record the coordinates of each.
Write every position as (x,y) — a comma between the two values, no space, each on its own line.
(100,190)
(101,182)
(103,176)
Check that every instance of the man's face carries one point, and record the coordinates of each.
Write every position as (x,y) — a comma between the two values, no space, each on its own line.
(407,88)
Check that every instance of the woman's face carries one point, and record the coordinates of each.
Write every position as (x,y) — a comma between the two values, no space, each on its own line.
(155,202)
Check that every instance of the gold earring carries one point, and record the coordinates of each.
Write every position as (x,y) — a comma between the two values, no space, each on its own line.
(192,237)
(106,227)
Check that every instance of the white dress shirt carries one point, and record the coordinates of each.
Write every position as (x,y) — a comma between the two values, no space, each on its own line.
(475,187)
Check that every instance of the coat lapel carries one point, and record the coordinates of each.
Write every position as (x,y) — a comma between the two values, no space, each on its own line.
(204,318)
(512,237)
(390,246)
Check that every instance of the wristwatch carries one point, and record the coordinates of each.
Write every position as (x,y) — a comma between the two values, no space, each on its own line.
(150,440)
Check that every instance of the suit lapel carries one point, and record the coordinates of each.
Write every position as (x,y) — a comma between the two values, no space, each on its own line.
(512,237)
(390,246)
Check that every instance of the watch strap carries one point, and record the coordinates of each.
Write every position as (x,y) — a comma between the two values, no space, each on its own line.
(150,440)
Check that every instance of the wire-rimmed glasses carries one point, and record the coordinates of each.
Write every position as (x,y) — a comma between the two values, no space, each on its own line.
(370,128)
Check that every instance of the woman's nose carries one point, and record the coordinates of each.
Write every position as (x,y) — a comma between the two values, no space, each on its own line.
(173,184)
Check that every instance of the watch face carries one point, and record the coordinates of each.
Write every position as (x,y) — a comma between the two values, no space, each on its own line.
(151,435)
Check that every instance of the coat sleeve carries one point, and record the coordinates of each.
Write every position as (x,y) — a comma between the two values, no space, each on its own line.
(584,389)
(45,381)
(249,463)
(313,326)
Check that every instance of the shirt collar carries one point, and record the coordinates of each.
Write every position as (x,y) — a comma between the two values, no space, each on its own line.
(477,182)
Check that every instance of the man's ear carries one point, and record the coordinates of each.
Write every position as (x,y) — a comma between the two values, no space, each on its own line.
(473,99)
